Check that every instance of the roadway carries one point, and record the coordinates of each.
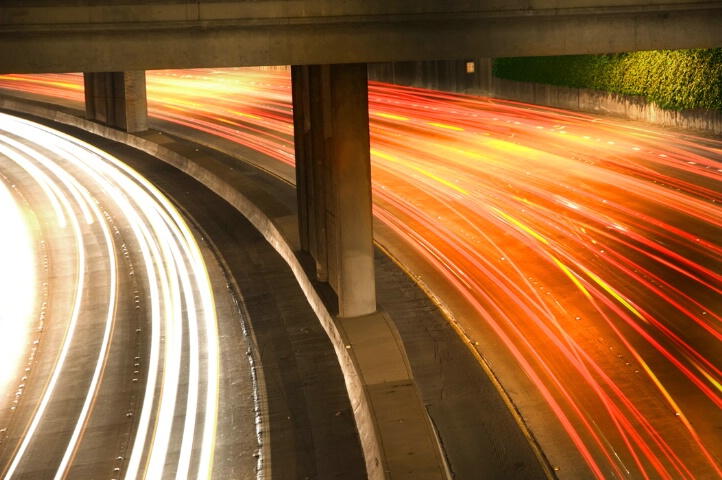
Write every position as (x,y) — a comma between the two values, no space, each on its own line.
(579,256)
(135,355)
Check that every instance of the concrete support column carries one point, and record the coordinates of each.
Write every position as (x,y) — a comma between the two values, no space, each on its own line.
(117,99)
(333,175)
(351,157)
(311,96)
(302,140)
(319,103)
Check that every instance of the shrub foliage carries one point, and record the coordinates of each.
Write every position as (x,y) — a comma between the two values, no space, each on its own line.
(673,79)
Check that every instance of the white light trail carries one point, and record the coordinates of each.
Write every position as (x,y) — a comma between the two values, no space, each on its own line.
(7,123)
(17,282)
(180,297)
(200,275)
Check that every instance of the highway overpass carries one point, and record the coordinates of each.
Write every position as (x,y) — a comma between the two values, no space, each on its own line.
(100,36)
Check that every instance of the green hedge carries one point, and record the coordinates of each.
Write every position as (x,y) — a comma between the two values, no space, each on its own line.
(673,79)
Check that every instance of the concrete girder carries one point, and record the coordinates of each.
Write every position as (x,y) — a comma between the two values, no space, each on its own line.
(40,37)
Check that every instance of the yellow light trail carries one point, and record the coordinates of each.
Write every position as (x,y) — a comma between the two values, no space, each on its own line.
(390,116)
(446,127)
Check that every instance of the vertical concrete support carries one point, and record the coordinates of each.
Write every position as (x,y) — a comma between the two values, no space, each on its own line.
(135,101)
(333,177)
(351,157)
(302,141)
(319,99)
(309,87)
(117,99)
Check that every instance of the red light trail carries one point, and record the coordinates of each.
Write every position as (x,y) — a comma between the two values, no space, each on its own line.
(591,249)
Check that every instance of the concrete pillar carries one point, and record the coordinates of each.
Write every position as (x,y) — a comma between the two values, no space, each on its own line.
(319,103)
(302,140)
(310,93)
(333,175)
(117,99)
(351,157)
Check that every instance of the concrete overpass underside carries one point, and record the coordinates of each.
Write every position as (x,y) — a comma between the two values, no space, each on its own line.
(82,35)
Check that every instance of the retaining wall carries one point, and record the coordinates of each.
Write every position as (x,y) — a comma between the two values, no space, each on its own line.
(454,76)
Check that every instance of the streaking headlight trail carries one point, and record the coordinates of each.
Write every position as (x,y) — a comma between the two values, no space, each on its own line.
(101,211)
(18,283)
(588,251)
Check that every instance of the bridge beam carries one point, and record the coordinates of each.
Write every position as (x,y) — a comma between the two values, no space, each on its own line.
(117,99)
(103,35)
(333,179)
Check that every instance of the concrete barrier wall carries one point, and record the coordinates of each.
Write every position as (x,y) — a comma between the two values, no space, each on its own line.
(451,76)
(593,101)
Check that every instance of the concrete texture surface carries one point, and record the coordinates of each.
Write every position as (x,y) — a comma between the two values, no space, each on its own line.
(102,36)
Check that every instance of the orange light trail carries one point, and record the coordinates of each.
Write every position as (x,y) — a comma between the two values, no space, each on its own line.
(591,250)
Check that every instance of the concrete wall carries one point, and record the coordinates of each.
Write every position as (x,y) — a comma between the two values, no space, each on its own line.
(444,75)
(449,76)
(459,76)
(39,36)
(593,101)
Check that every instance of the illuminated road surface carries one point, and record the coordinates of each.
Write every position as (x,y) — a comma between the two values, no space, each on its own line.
(589,253)
(111,344)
